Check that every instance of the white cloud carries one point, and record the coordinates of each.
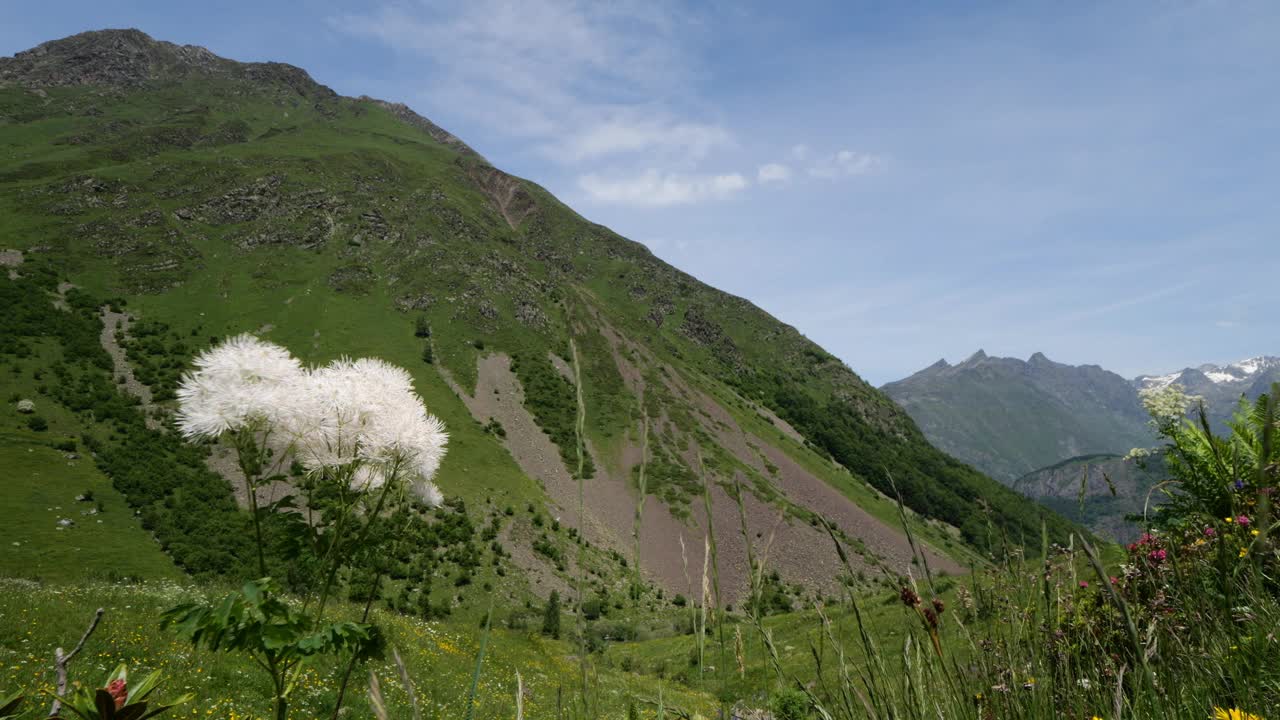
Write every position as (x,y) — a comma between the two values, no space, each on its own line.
(845,163)
(581,80)
(799,152)
(691,140)
(656,189)
(773,172)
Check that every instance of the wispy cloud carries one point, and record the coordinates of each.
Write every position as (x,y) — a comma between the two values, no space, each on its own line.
(632,135)
(1128,302)
(773,173)
(653,188)
(845,163)
(583,80)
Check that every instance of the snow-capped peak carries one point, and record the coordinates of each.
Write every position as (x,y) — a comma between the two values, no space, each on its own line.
(1156,382)
(1217,374)
(1257,364)
(1243,370)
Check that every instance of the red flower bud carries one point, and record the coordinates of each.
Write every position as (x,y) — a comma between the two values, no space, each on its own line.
(118,692)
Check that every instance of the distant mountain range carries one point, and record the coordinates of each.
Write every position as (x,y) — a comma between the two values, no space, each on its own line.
(1221,386)
(1040,426)
(1009,417)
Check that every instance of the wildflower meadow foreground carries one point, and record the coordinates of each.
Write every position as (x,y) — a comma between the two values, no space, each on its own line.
(1182,623)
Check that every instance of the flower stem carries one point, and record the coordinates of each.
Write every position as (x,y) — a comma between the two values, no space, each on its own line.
(244,447)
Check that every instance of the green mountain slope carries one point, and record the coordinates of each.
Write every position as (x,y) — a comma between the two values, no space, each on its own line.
(1009,417)
(205,197)
(1099,491)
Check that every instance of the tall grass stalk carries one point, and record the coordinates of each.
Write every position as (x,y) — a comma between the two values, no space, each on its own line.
(642,493)
(718,605)
(579,432)
(475,675)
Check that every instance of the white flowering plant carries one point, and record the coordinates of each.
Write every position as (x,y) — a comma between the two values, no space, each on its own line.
(256,621)
(363,441)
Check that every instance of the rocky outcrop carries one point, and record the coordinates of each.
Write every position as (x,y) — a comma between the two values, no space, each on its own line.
(131,58)
(408,116)
(506,192)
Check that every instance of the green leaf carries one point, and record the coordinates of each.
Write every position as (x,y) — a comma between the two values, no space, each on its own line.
(252,593)
(9,706)
(79,704)
(145,687)
(276,637)
(131,712)
(172,704)
(106,705)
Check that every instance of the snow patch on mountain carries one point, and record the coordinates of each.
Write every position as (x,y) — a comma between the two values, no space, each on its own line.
(1218,374)
(1156,382)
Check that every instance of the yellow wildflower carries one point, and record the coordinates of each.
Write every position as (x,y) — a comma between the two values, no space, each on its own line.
(1233,714)
(1228,520)
(1253,533)
(1244,551)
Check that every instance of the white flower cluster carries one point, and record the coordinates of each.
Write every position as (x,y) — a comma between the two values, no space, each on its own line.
(360,416)
(1167,405)
(238,384)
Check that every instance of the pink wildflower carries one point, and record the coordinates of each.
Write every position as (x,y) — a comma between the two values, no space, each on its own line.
(118,692)
(1243,519)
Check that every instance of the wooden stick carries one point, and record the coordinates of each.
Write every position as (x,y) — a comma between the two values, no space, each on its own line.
(61,661)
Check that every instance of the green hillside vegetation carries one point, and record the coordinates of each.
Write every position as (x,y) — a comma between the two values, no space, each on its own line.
(205,198)
(223,199)
(1105,493)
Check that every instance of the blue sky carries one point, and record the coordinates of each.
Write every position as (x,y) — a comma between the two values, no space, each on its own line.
(900,181)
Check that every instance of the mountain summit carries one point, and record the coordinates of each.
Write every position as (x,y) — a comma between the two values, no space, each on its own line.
(1008,416)
(132,60)
(1236,376)
(215,197)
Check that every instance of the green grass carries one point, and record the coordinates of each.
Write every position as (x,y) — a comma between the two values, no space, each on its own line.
(40,488)
(440,657)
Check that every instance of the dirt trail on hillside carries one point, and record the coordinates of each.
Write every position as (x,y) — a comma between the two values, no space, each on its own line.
(111,323)
(223,459)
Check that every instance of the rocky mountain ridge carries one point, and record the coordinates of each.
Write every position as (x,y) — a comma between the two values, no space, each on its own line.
(129,59)
(1009,416)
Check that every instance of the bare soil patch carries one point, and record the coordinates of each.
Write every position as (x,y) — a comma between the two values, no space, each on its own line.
(11,259)
(113,323)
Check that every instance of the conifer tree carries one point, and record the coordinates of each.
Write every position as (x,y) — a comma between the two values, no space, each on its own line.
(551,616)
